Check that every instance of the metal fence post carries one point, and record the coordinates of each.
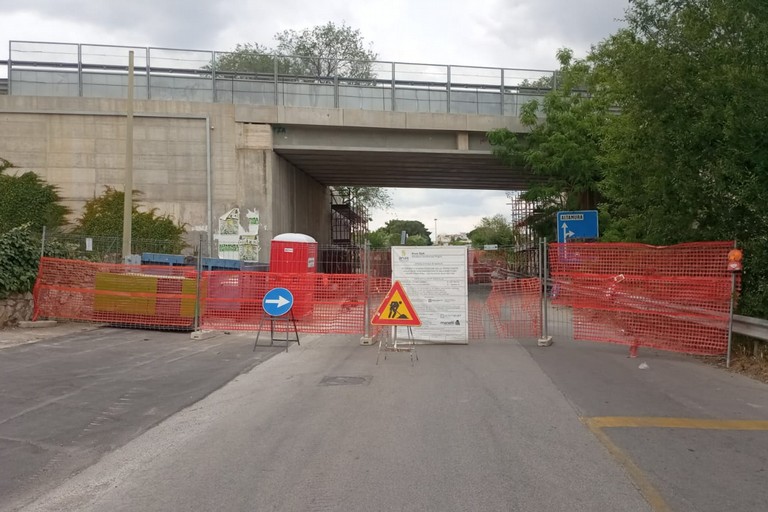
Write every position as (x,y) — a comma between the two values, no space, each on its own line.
(546,339)
(367,273)
(79,70)
(275,77)
(448,89)
(148,72)
(730,316)
(393,87)
(502,92)
(336,91)
(198,272)
(213,77)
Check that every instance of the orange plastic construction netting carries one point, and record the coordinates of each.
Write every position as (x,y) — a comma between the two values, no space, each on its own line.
(322,303)
(674,298)
(130,295)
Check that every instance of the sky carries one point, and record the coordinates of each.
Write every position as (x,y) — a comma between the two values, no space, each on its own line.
(495,33)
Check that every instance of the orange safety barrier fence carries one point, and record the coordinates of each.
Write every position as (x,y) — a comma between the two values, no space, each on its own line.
(515,307)
(674,298)
(164,297)
(322,303)
(136,295)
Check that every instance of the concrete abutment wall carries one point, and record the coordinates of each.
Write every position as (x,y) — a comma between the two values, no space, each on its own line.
(78,145)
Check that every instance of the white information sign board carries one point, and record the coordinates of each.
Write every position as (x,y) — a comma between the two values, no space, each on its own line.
(435,279)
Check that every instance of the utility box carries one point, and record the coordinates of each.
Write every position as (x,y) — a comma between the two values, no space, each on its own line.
(293,265)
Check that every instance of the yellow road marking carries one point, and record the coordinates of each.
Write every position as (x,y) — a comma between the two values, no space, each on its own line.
(646,488)
(690,423)
(641,481)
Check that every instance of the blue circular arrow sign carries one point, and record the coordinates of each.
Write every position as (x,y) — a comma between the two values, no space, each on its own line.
(277,302)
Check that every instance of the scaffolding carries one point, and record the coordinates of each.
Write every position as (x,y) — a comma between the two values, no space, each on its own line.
(525,259)
(349,228)
(350,219)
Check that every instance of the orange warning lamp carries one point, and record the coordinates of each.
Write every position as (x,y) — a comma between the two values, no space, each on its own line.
(735,257)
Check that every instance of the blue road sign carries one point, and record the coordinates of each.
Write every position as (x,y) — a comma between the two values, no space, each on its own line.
(579,225)
(277,302)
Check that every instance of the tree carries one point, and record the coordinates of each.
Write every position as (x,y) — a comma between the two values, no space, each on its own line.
(371,197)
(322,53)
(103,217)
(27,199)
(246,60)
(493,230)
(390,234)
(563,149)
(328,51)
(686,157)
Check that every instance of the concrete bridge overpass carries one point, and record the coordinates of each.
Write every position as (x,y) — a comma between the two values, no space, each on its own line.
(274,144)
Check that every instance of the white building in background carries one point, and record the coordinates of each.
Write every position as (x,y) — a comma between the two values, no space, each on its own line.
(457,239)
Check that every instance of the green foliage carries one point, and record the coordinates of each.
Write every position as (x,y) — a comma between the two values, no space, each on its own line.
(328,50)
(373,198)
(493,230)
(247,59)
(563,149)
(686,159)
(103,217)
(28,199)
(390,234)
(322,52)
(19,257)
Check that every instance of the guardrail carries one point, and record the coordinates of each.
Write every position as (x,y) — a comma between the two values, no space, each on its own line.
(69,69)
(752,327)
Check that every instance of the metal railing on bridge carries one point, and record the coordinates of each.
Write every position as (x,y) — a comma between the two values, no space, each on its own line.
(90,70)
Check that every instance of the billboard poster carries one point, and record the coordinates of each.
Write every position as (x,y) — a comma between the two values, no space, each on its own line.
(435,279)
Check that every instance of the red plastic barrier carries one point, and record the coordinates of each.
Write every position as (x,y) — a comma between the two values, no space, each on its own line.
(672,298)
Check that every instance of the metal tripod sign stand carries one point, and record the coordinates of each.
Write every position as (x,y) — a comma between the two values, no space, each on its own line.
(278,306)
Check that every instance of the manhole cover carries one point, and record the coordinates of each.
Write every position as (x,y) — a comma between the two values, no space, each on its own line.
(345,380)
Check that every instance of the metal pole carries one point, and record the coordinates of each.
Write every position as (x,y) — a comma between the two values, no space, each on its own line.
(730,315)
(10,68)
(545,272)
(335,92)
(367,271)
(209,184)
(393,87)
(199,271)
(730,320)
(448,89)
(540,266)
(147,69)
(213,77)
(42,245)
(128,178)
(80,70)
(502,91)
(275,77)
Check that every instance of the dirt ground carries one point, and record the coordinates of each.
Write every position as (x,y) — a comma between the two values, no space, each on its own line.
(746,360)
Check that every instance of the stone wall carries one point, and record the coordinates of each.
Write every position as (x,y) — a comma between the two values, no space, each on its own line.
(15,308)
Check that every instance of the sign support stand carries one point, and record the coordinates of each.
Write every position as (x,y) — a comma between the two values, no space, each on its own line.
(396,309)
(386,346)
(287,339)
(277,304)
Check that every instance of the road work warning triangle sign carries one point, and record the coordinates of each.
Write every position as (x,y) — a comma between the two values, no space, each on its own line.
(396,309)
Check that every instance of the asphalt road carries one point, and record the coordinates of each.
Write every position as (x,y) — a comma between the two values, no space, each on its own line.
(496,425)
(714,458)
(321,428)
(66,401)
